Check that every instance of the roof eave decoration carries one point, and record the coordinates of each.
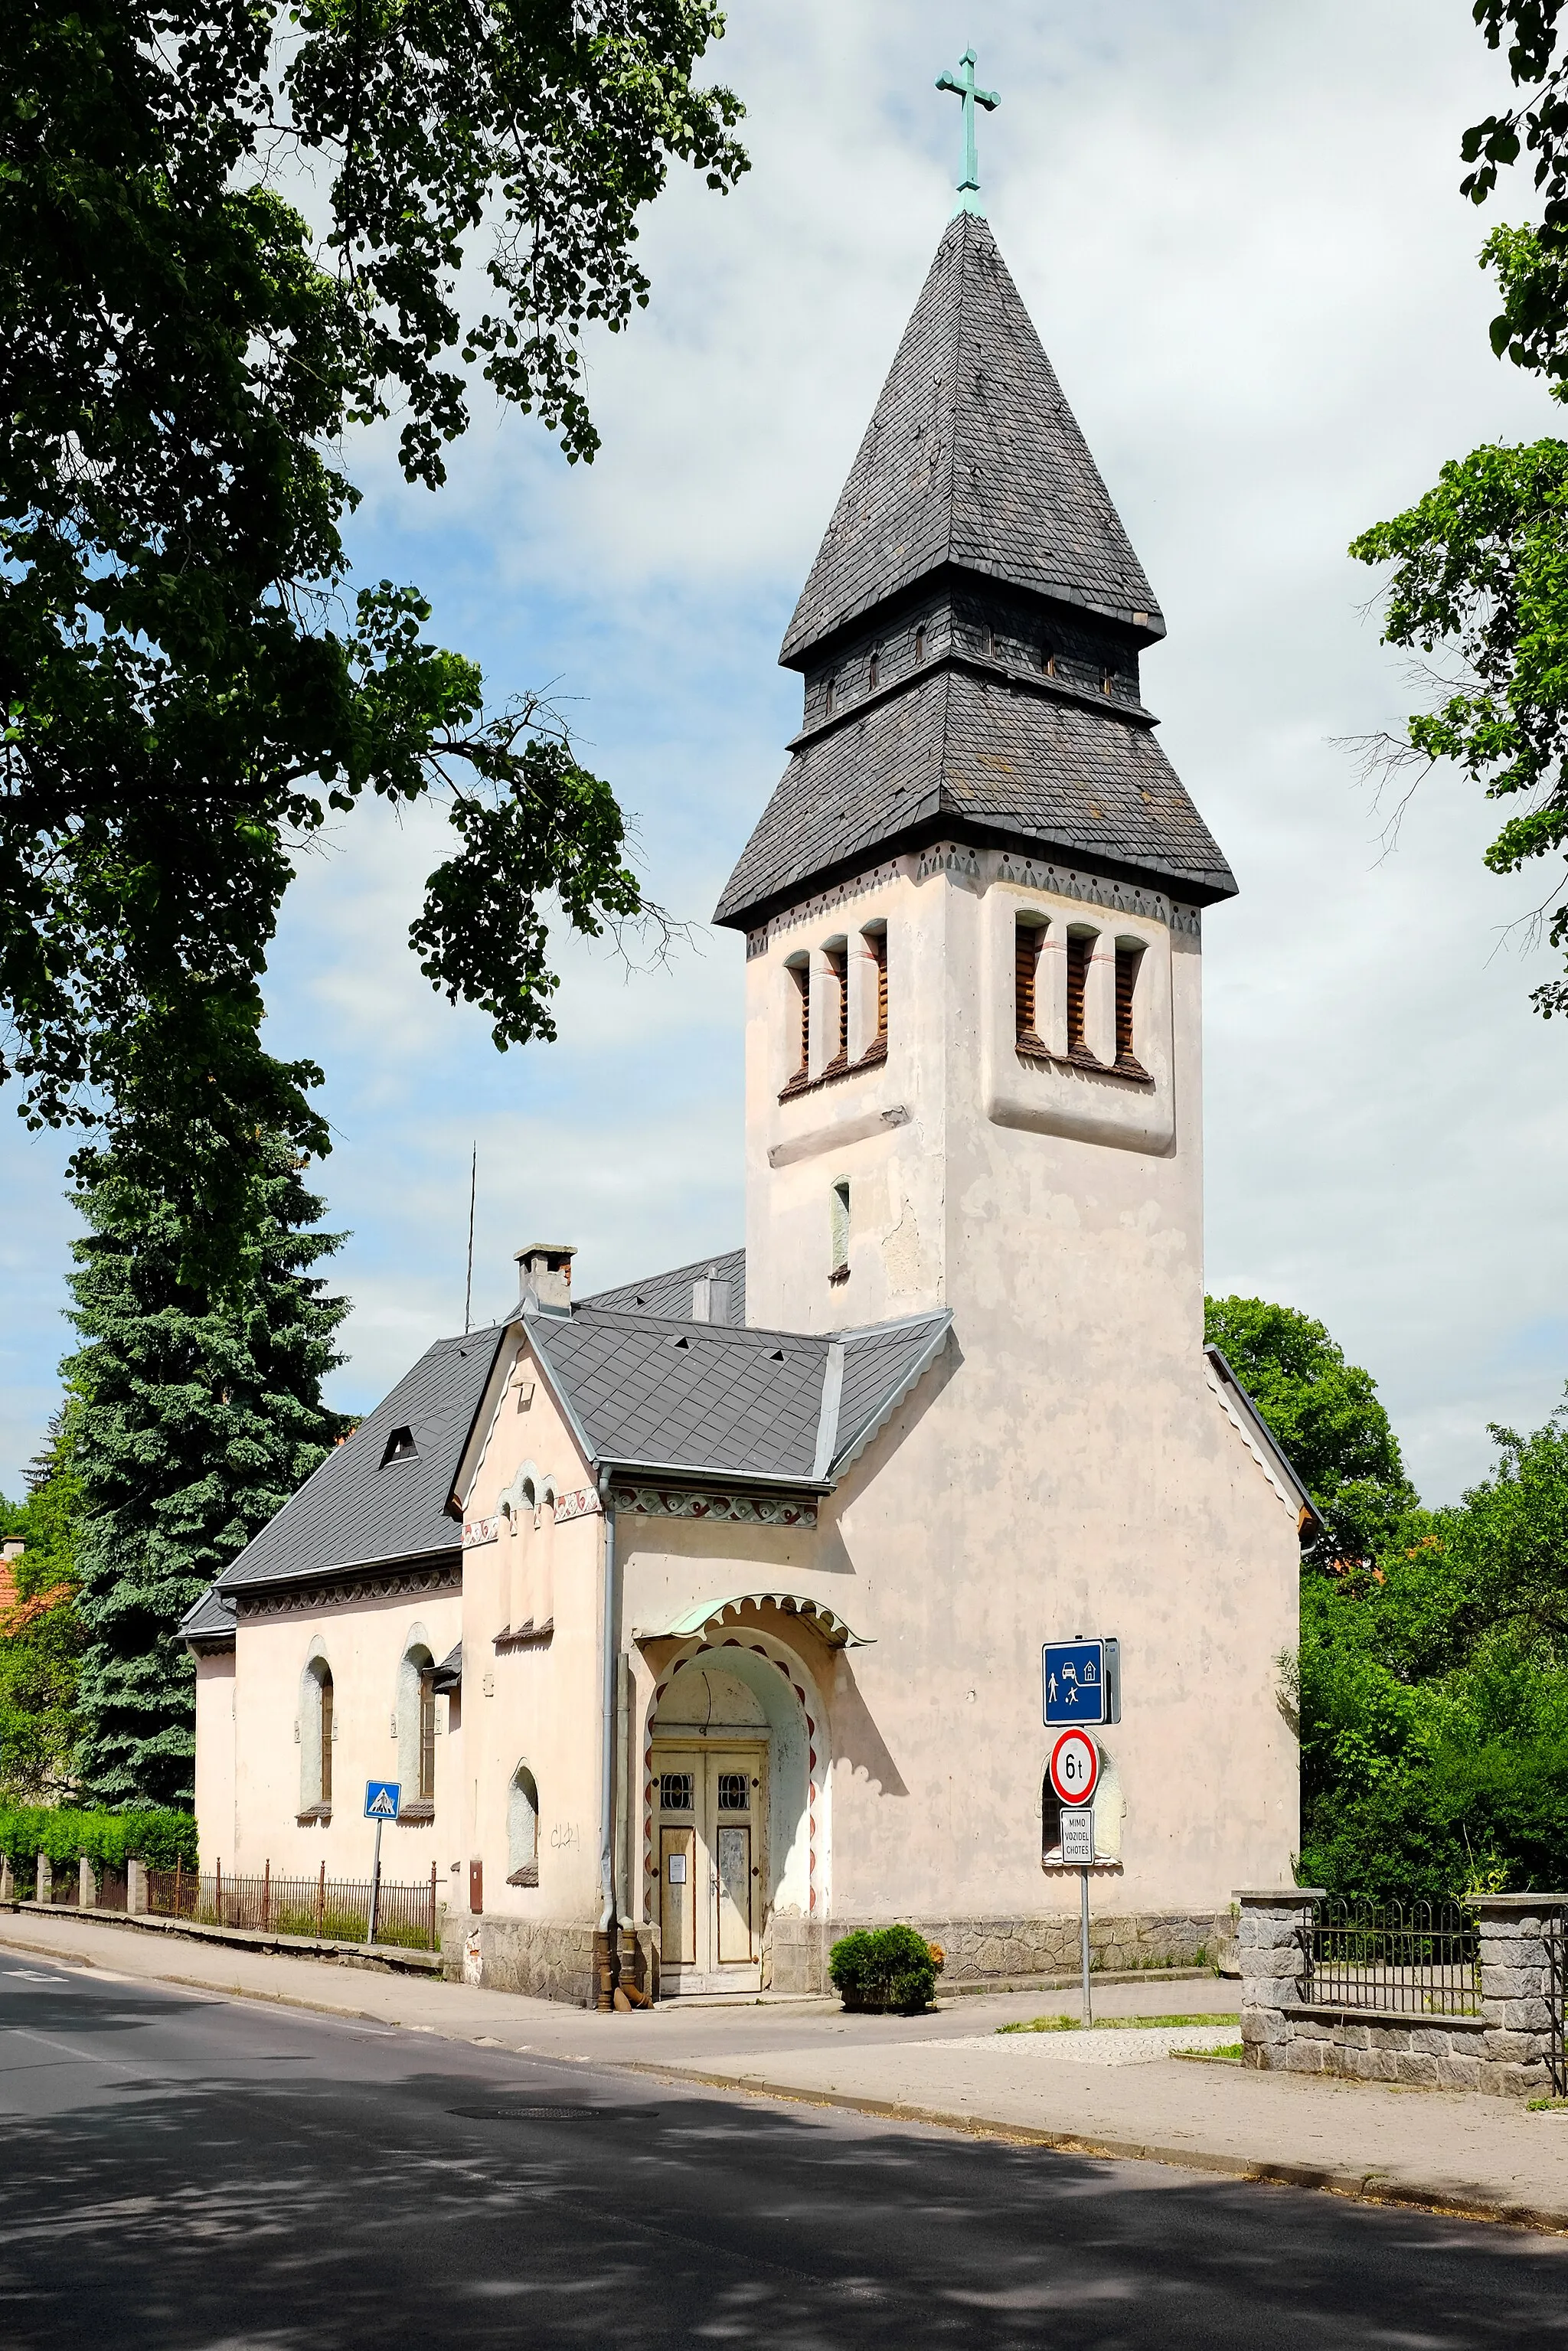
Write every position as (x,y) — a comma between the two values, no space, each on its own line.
(883,1410)
(1310,1522)
(709,1616)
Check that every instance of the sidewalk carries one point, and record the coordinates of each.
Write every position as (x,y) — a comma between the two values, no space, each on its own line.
(1441,2150)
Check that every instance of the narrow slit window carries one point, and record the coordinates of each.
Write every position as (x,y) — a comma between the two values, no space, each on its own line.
(990,639)
(1048,660)
(838,1231)
(828,697)
(874,671)
(1128,959)
(1027,940)
(1107,679)
(920,644)
(1080,948)
(326,1790)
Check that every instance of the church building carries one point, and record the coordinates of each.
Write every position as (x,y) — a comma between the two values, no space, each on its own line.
(705,1614)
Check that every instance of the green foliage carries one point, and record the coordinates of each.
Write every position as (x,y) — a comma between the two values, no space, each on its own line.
(158,1837)
(201,1413)
(41,1635)
(189,694)
(1324,1415)
(1481,563)
(1432,1694)
(884,1968)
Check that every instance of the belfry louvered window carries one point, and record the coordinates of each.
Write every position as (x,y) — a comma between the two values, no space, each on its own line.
(1027,938)
(1128,958)
(838,962)
(876,946)
(800,979)
(1079,950)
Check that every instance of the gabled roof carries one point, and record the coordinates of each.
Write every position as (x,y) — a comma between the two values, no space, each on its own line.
(671,1293)
(1308,1518)
(973,753)
(711,1400)
(972,459)
(353,1510)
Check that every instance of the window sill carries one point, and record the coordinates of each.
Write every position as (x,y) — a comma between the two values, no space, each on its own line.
(423,1808)
(527,1875)
(875,1053)
(1030,1048)
(322,1813)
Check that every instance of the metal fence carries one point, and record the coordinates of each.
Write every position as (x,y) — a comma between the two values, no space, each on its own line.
(1417,1959)
(333,1908)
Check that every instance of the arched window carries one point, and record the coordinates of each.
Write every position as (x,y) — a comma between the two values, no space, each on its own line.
(416,1728)
(800,1036)
(523,1828)
(316,1741)
(1129,956)
(1079,956)
(1029,937)
(838,1231)
(875,936)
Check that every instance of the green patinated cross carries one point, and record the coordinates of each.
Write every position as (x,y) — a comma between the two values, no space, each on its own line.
(963,84)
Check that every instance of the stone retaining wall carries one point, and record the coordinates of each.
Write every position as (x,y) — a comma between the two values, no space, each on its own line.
(1001,1950)
(1505,2050)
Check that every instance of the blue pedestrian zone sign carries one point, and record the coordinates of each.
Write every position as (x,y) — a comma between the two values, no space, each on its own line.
(382,1799)
(1075,1682)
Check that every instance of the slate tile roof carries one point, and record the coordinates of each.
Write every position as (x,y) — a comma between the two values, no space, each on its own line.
(353,1510)
(671,1293)
(972,457)
(979,753)
(711,1400)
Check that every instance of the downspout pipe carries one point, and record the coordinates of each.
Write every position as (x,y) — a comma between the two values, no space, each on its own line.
(607,1701)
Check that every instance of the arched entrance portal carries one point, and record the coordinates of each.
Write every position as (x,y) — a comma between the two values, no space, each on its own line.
(729,1816)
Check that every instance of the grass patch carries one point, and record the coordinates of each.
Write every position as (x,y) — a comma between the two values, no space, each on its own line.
(1545,2105)
(1229,2053)
(1115,2024)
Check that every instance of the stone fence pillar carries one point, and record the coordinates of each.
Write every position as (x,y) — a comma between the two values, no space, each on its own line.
(44,1890)
(1268,1953)
(136,1889)
(1516,1984)
(87,1884)
(7,1879)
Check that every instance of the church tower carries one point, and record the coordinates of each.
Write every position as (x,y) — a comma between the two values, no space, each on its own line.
(972,906)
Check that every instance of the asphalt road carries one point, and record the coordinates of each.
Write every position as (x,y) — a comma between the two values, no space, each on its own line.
(178,2171)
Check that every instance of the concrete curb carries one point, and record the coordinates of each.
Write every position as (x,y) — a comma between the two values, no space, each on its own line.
(1454,2200)
(397,1958)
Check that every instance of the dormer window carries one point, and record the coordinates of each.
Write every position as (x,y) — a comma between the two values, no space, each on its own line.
(400,1447)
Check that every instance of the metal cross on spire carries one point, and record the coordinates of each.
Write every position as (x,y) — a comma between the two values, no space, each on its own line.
(963,85)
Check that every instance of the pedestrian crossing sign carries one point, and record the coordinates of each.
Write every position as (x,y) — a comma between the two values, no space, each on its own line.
(382,1799)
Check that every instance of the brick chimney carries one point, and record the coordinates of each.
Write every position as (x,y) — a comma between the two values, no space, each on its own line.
(544,1271)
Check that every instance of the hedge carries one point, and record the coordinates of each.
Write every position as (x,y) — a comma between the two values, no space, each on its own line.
(110,1839)
(881,1967)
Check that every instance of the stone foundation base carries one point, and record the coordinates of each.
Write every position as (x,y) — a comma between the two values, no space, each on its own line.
(550,1959)
(1001,1950)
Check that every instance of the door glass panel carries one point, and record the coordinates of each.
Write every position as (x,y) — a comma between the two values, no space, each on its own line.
(733,1795)
(676,1791)
(734,1893)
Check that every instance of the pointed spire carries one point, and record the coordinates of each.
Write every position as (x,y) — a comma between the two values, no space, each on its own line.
(972,459)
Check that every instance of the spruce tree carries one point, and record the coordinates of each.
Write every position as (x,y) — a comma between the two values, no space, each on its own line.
(201,1413)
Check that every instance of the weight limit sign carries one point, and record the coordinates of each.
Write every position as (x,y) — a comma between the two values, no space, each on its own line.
(1075,1767)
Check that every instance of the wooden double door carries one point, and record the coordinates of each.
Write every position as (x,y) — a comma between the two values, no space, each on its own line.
(708,1815)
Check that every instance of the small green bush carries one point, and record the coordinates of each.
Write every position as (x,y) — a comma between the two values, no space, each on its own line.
(884,1968)
(108,1839)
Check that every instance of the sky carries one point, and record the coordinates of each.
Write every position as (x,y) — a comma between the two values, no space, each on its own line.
(1239,232)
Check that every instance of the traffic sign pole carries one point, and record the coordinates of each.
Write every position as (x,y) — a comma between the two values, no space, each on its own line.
(376,1891)
(1083,1943)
